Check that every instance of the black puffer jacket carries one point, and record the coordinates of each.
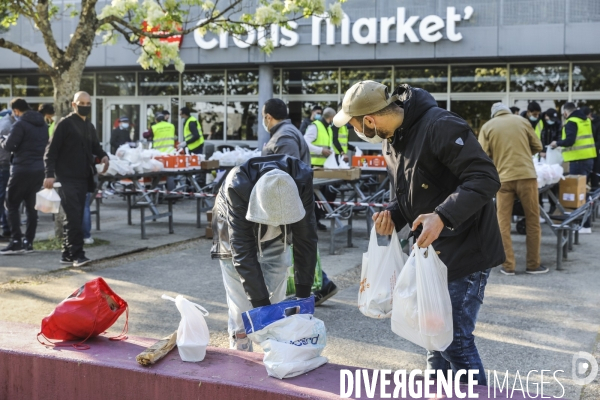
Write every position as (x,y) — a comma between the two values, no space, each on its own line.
(234,237)
(436,163)
(27,142)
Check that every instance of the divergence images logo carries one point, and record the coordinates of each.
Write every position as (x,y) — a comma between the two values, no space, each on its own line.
(584,363)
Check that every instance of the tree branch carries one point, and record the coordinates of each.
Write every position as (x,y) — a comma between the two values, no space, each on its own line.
(42,20)
(44,66)
(85,33)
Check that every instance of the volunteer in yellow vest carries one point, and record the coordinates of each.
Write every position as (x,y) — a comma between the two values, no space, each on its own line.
(340,139)
(163,135)
(47,110)
(579,149)
(192,132)
(319,138)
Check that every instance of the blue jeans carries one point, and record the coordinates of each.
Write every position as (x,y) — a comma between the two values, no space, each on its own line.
(583,167)
(4,175)
(466,295)
(86,225)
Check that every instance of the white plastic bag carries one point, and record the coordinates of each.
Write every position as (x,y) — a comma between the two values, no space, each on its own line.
(422,311)
(192,334)
(48,200)
(553,156)
(358,152)
(292,345)
(381,268)
(332,162)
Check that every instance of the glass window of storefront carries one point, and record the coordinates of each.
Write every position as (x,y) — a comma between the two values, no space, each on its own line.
(586,77)
(467,79)
(4,86)
(432,79)
(32,86)
(119,84)
(350,76)
(313,81)
(539,78)
(203,83)
(155,84)
(242,82)
(226,101)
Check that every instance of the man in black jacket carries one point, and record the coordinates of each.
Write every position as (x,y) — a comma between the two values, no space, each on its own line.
(27,140)
(70,160)
(120,135)
(261,205)
(444,185)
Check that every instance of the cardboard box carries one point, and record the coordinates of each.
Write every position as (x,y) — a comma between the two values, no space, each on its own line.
(209,164)
(351,174)
(209,216)
(367,162)
(572,191)
(209,233)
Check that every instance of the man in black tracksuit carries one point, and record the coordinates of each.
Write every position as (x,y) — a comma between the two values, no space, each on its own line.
(443,187)
(70,159)
(27,140)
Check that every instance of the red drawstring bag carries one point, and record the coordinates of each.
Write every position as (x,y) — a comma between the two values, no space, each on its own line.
(88,312)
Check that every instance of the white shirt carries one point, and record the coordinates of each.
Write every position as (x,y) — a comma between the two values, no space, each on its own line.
(310,136)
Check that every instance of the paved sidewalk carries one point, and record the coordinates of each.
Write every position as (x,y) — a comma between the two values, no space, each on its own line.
(528,322)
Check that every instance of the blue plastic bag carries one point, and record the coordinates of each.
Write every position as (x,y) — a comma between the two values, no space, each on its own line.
(261,317)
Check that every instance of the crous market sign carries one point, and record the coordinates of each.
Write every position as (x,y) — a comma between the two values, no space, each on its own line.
(363,31)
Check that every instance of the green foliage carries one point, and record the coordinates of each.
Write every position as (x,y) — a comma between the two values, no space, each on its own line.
(56,244)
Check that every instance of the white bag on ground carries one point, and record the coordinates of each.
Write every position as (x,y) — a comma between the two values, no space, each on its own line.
(422,310)
(192,334)
(291,337)
(381,268)
(48,200)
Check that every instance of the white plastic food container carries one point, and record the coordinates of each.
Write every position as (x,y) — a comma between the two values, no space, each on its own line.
(48,200)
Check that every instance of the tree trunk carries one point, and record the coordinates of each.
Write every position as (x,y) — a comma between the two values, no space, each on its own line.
(66,84)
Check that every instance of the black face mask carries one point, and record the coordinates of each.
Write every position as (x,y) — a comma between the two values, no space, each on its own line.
(84,111)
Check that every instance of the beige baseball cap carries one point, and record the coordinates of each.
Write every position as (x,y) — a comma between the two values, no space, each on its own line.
(365,97)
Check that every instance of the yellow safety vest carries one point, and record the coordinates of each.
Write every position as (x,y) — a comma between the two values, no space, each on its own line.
(164,136)
(584,147)
(343,139)
(188,134)
(324,139)
(539,128)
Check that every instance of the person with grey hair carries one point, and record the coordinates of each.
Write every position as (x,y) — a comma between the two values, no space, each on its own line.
(510,141)
(319,138)
(263,206)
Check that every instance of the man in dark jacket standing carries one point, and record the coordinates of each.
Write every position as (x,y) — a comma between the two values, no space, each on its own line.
(120,135)
(6,123)
(27,140)
(285,137)
(444,186)
(261,205)
(70,160)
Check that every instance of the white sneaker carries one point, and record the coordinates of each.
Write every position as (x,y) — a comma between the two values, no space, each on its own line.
(542,220)
(585,230)
(89,240)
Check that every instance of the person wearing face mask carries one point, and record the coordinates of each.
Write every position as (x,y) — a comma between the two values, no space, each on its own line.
(315,114)
(70,160)
(120,135)
(532,113)
(47,110)
(192,132)
(263,206)
(548,129)
(26,142)
(595,175)
(285,137)
(443,186)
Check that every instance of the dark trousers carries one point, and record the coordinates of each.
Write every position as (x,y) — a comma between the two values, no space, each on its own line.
(595,175)
(72,198)
(198,150)
(22,187)
(4,175)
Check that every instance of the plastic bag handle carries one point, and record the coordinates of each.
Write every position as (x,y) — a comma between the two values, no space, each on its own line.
(198,306)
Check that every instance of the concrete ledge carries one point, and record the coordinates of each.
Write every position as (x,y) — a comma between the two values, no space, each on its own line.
(108,370)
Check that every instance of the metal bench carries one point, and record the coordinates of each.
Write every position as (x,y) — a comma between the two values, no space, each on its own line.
(567,231)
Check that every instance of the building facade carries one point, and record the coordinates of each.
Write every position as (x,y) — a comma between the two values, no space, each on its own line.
(467,53)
